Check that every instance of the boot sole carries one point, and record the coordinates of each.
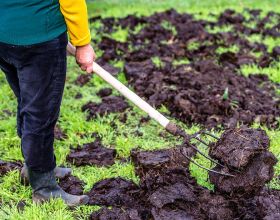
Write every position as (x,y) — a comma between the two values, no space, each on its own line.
(39,200)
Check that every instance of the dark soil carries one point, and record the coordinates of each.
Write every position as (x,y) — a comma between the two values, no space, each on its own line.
(83,79)
(116,214)
(92,154)
(109,104)
(114,192)
(72,185)
(244,149)
(238,146)
(104,92)
(167,191)
(6,167)
(208,91)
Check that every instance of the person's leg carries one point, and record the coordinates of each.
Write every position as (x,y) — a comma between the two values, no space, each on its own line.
(12,78)
(41,72)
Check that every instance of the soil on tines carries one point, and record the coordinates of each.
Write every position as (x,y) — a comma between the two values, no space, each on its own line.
(6,167)
(209,90)
(246,151)
(92,154)
(109,104)
(167,190)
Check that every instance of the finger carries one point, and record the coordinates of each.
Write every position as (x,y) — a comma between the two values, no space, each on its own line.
(89,69)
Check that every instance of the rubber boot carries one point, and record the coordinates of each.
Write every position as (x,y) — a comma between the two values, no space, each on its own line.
(45,187)
(59,172)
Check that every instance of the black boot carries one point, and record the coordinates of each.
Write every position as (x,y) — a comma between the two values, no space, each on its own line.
(45,187)
(59,172)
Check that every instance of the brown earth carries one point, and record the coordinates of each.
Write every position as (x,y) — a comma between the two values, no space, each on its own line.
(92,154)
(209,90)
(109,104)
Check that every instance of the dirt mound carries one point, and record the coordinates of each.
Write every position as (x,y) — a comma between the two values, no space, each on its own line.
(72,185)
(6,167)
(244,149)
(92,154)
(109,104)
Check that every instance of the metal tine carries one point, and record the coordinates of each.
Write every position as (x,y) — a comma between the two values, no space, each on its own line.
(204,155)
(211,135)
(203,142)
(205,168)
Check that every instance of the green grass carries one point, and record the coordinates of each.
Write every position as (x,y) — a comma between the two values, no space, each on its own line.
(124,137)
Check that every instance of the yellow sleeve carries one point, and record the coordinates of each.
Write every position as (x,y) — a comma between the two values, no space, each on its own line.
(76,17)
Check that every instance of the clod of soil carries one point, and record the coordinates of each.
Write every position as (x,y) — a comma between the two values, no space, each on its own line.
(238,146)
(72,185)
(83,79)
(117,214)
(109,104)
(92,154)
(114,192)
(104,92)
(244,149)
(6,167)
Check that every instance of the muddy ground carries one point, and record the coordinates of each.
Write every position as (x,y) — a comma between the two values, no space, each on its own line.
(167,191)
(209,89)
(92,154)
(109,104)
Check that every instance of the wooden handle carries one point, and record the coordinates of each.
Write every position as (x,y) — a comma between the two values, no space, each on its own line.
(153,113)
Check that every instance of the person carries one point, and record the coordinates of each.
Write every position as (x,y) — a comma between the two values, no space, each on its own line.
(33,40)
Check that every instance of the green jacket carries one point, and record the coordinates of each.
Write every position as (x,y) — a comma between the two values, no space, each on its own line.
(26,22)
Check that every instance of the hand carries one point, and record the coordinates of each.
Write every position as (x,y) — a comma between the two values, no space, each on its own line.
(85,56)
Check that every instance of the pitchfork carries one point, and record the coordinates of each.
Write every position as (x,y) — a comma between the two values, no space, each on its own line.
(171,127)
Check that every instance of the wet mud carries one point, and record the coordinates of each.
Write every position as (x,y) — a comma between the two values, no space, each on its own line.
(109,104)
(92,154)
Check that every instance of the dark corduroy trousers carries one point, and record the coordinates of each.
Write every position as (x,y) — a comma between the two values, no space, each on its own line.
(36,74)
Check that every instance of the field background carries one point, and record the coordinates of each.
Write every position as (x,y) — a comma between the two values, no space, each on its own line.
(73,121)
